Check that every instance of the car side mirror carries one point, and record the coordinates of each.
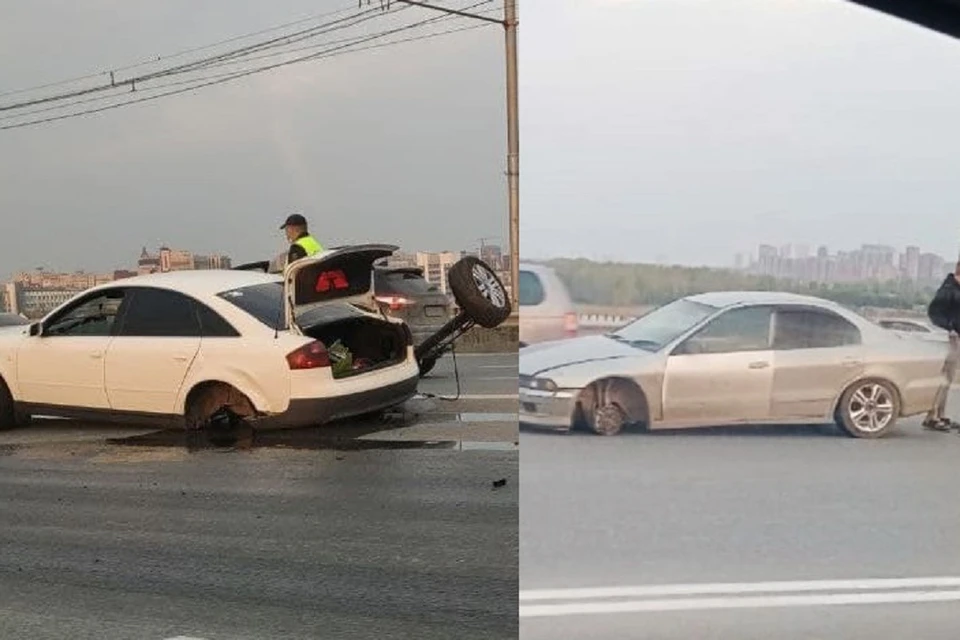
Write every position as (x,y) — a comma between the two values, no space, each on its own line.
(36,329)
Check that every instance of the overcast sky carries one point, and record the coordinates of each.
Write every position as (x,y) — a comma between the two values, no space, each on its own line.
(405,144)
(689,130)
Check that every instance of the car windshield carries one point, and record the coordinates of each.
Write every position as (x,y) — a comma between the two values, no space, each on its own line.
(262,301)
(661,326)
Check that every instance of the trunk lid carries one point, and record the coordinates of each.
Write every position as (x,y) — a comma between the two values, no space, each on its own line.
(342,275)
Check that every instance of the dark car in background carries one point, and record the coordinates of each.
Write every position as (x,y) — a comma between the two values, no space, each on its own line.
(404,293)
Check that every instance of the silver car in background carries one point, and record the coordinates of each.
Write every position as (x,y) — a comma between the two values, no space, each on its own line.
(733,358)
(546,310)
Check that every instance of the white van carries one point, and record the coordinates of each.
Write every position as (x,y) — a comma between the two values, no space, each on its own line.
(546,310)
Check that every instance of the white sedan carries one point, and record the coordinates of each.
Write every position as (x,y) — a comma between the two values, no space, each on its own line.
(182,346)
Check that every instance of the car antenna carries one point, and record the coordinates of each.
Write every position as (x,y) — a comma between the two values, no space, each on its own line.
(276,325)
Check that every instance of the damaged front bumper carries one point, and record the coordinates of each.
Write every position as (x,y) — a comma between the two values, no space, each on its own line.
(547,409)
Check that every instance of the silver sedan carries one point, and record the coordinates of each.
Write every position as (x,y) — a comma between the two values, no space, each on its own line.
(730,358)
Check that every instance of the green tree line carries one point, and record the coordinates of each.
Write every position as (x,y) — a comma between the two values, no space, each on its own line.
(627,285)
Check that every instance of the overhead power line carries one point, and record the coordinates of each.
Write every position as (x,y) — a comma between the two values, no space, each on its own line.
(177,54)
(327,27)
(351,46)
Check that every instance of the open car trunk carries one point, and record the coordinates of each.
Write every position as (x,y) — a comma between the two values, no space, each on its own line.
(357,343)
(339,276)
(329,297)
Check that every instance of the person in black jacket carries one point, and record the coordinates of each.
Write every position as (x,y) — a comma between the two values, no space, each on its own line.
(944,312)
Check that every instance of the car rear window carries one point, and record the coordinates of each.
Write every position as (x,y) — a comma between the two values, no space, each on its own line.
(405,282)
(531,289)
(262,301)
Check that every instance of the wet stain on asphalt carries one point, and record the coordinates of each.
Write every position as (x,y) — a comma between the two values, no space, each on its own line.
(245,438)
(314,439)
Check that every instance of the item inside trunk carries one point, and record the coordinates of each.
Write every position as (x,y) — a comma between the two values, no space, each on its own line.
(359,344)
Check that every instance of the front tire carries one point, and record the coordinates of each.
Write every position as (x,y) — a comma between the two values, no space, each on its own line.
(479,292)
(10,418)
(868,409)
(8,414)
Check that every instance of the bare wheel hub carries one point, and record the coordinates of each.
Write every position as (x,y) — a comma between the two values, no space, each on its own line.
(608,420)
(488,286)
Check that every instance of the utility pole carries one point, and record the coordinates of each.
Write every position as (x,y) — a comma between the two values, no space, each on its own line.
(509,23)
(513,148)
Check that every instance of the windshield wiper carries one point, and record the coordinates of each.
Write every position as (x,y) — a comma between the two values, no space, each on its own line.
(644,344)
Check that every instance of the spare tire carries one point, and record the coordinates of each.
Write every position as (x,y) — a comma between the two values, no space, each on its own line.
(479,292)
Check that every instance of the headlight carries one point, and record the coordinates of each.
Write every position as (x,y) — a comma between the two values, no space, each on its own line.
(539,384)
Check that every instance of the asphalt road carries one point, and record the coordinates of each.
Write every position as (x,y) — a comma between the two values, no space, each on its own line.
(652,518)
(119,533)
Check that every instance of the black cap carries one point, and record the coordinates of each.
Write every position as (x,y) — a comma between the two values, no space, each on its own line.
(294,220)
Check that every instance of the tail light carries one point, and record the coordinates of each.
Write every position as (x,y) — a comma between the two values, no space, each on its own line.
(396,303)
(310,356)
(570,324)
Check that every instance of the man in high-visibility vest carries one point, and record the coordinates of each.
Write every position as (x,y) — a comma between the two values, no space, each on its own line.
(302,244)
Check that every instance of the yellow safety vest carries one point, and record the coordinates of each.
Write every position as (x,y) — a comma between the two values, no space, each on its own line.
(309,244)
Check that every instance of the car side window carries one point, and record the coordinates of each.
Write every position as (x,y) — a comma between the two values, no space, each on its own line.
(158,313)
(737,330)
(812,329)
(212,324)
(531,289)
(94,316)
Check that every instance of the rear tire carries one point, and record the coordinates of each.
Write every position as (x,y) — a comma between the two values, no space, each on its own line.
(9,417)
(479,292)
(868,409)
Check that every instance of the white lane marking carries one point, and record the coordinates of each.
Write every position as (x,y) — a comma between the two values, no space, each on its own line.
(736,602)
(648,591)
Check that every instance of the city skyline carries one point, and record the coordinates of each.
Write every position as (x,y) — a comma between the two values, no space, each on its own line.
(37,291)
(868,262)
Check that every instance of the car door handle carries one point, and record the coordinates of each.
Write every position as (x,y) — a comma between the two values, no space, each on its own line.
(850,362)
(181,358)
(761,364)
(96,356)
